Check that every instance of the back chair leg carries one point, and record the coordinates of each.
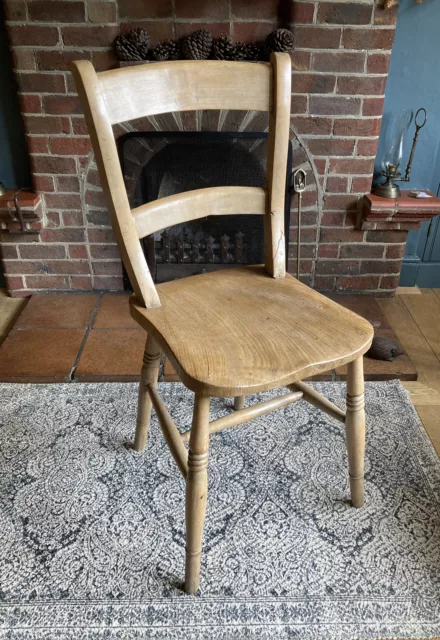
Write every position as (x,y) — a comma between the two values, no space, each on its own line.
(355,430)
(196,491)
(149,375)
(238,403)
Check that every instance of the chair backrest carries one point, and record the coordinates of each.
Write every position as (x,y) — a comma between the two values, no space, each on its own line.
(126,94)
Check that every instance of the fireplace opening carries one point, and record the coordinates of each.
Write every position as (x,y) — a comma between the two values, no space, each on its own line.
(159,164)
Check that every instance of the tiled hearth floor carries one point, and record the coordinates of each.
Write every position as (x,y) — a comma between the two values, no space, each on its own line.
(64,337)
(91,337)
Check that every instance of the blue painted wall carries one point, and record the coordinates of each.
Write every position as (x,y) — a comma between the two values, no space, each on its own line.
(14,160)
(413,82)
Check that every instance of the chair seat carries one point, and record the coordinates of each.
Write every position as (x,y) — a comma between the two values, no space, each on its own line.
(239,331)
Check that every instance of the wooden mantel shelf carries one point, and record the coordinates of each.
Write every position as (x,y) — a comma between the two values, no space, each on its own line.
(403,213)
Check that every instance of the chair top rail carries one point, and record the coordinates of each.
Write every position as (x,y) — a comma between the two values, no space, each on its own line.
(185,85)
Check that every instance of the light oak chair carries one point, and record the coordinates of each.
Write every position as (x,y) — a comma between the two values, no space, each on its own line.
(227,333)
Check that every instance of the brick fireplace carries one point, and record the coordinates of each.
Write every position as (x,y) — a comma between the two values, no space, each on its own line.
(340,65)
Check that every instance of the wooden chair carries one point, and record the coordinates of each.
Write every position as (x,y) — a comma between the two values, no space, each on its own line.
(233,332)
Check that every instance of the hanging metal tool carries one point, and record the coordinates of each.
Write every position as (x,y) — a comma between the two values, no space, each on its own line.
(19,215)
(299,185)
(420,122)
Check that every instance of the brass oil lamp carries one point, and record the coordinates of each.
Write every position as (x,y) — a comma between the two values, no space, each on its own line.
(393,154)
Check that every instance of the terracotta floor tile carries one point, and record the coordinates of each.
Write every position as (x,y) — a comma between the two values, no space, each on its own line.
(112,355)
(57,311)
(10,309)
(365,306)
(39,355)
(114,313)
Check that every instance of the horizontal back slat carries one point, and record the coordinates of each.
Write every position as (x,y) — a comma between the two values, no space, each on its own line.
(192,205)
(185,85)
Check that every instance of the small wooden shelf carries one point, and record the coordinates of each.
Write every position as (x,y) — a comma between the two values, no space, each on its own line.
(403,213)
(30,205)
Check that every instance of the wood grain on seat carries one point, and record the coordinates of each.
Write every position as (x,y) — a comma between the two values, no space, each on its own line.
(240,331)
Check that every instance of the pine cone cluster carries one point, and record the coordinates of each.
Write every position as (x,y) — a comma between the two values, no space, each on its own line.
(133,45)
(280,40)
(167,50)
(224,49)
(198,45)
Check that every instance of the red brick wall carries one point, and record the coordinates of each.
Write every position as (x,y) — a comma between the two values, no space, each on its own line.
(340,63)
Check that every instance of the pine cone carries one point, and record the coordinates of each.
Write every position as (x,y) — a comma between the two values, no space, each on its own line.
(279,40)
(141,40)
(125,50)
(197,46)
(133,45)
(244,51)
(167,50)
(223,48)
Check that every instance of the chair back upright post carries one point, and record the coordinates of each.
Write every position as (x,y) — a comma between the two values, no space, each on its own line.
(120,95)
(279,126)
(94,104)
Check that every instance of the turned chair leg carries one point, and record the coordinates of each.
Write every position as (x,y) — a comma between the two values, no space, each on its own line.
(355,430)
(238,403)
(196,491)
(149,375)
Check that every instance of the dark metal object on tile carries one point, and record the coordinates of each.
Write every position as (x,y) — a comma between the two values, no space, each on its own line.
(384,349)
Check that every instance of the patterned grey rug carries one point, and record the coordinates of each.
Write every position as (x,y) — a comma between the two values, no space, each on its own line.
(92,534)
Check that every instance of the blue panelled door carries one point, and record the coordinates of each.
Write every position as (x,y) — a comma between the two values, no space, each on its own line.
(421,264)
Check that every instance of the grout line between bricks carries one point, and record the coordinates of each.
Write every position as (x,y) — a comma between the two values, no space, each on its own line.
(89,26)
(83,341)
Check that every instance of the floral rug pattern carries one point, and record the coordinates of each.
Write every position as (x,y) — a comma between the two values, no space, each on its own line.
(92,533)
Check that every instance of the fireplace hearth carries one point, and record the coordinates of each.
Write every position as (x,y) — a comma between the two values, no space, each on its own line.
(340,64)
(159,164)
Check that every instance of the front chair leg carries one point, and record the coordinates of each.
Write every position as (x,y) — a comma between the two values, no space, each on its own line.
(238,403)
(355,430)
(149,375)
(196,491)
